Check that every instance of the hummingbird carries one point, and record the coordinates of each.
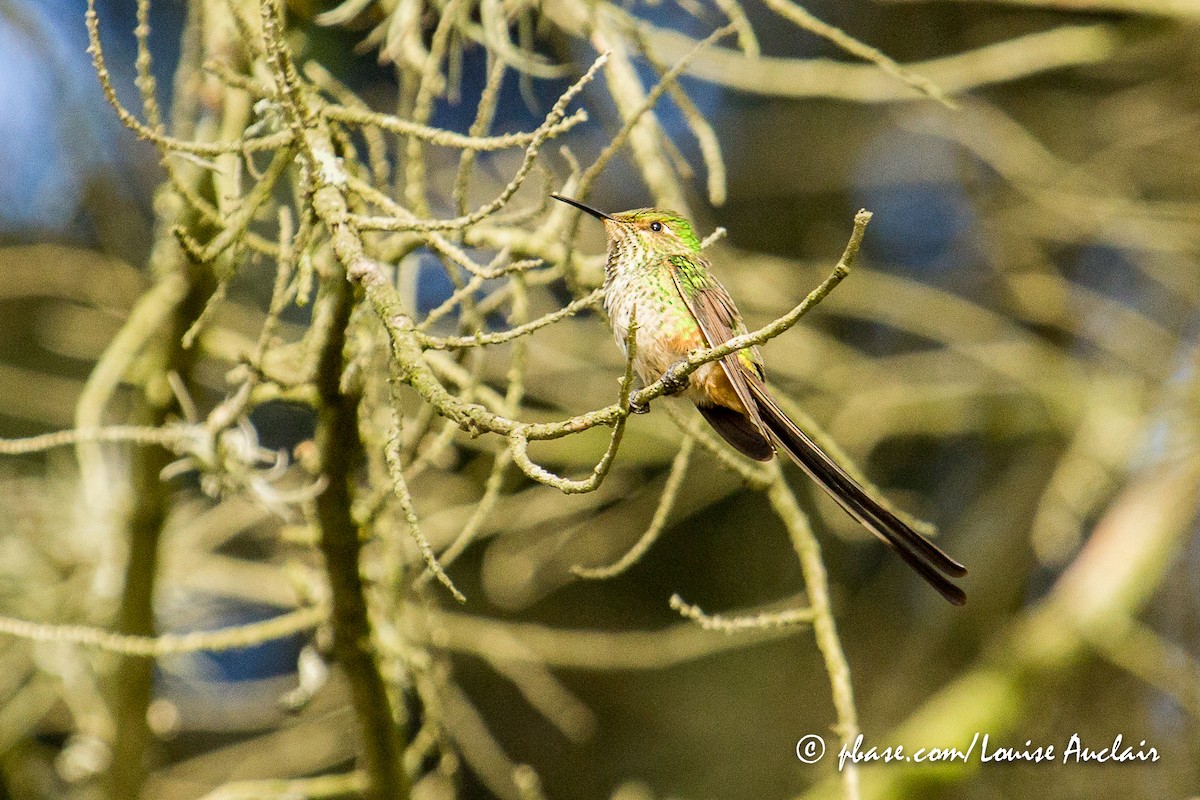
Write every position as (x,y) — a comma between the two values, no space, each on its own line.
(655,270)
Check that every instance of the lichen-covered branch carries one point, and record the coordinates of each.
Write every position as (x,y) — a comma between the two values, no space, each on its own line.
(448,427)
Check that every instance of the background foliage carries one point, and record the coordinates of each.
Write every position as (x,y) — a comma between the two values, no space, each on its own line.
(273,359)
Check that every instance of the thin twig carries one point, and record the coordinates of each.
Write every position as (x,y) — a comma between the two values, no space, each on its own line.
(231,638)
(766,619)
(657,523)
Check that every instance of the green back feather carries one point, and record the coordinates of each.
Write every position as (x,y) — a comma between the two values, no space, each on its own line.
(693,273)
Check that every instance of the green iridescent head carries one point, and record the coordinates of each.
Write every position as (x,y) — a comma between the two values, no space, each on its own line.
(654,229)
(660,229)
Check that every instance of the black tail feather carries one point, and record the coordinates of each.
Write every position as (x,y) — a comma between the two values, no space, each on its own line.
(926,558)
(738,429)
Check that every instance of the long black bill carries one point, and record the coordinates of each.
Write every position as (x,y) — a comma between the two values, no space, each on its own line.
(581,206)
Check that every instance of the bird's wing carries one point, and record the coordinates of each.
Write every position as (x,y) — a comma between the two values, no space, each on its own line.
(719,322)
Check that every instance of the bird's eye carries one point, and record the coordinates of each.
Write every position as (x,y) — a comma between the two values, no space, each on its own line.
(656,226)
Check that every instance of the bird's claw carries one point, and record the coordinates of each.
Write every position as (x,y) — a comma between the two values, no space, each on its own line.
(673,383)
(638,408)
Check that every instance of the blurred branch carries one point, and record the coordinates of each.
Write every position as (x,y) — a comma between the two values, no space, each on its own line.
(803,18)
(816,584)
(1165,8)
(324,786)
(742,622)
(1008,60)
(153,332)
(657,523)
(1148,656)
(591,649)
(231,638)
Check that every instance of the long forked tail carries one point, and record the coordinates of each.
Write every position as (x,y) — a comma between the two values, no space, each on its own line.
(929,561)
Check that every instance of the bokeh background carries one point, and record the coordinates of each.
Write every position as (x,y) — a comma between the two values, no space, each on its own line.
(1014,360)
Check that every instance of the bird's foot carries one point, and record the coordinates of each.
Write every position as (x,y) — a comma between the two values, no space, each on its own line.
(673,382)
(638,408)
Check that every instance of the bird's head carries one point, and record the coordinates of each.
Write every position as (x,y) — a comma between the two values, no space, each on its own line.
(644,230)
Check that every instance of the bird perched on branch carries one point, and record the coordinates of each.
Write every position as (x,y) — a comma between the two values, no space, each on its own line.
(655,270)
